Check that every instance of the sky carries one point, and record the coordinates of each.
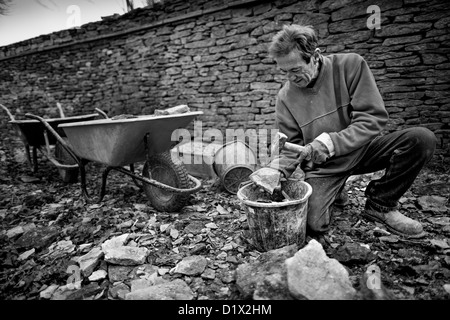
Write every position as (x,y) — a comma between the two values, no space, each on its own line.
(31,18)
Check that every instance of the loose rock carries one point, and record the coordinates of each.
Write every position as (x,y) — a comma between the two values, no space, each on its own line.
(115,242)
(174,290)
(26,254)
(120,273)
(89,261)
(248,275)
(312,275)
(352,252)
(98,275)
(118,291)
(126,255)
(191,266)
(38,238)
(14,232)
(48,292)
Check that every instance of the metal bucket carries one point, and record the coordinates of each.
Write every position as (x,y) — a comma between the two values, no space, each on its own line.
(234,162)
(277,224)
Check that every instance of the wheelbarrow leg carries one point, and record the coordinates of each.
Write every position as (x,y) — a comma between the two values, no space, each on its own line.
(27,154)
(83,179)
(138,184)
(35,164)
(84,191)
(104,177)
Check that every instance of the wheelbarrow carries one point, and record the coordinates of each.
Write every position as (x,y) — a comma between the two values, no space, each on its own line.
(123,141)
(34,134)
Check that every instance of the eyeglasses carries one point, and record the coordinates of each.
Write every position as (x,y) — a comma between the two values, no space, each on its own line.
(298,70)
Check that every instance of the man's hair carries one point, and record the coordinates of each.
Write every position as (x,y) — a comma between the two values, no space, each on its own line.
(302,38)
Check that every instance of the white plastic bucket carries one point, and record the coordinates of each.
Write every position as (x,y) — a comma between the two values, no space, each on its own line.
(277,224)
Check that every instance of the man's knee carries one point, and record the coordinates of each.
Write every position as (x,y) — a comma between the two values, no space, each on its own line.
(424,140)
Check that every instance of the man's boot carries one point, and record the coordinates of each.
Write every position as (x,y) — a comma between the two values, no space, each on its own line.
(395,222)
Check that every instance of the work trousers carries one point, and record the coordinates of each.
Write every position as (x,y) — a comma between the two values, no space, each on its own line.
(401,153)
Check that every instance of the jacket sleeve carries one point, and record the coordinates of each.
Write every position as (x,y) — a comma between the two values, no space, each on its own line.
(286,161)
(368,115)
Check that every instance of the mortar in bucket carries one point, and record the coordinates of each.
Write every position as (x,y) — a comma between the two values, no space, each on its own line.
(234,162)
(276,224)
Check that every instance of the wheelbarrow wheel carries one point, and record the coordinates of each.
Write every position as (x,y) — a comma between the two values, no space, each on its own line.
(163,168)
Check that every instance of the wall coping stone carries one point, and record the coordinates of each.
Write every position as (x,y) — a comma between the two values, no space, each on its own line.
(182,17)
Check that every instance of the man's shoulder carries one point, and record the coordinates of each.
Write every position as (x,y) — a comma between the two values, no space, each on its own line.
(346,63)
(345,58)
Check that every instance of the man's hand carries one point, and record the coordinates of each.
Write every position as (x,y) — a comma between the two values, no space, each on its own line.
(267,178)
(316,151)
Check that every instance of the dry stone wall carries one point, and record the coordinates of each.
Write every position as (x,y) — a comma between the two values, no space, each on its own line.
(211,55)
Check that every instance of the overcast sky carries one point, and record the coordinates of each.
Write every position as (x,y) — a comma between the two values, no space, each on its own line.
(30,18)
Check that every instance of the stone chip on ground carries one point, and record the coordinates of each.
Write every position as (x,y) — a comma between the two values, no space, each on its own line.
(115,242)
(120,273)
(174,290)
(249,275)
(272,287)
(98,275)
(14,232)
(126,255)
(191,266)
(351,252)
(26,254)
(48,292)
(38,238)
(90,260)
(118,291)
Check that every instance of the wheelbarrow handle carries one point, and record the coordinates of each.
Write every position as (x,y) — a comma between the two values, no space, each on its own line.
(196,187)
(198,184)
(55,134)
(102,113)
(57,164)
(61,112)
(7,111)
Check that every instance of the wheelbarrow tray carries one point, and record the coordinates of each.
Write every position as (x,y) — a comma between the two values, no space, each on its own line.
(33,130)
(121,142)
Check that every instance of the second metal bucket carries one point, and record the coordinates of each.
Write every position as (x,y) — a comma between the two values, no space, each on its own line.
(234,162)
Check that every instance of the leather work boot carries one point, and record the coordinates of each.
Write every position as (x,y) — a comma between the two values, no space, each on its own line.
(341,199)
(396,222)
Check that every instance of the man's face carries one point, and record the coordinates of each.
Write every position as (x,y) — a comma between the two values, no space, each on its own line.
(298,71)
